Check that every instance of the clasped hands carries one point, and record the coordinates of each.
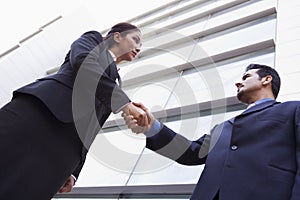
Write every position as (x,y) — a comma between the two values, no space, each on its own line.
(138,118)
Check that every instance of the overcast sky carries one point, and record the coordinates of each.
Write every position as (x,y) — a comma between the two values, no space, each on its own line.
(21,18)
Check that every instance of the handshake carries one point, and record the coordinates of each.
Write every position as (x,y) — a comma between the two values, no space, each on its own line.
(137,117)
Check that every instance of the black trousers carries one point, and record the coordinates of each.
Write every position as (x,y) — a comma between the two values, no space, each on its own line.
(38,153)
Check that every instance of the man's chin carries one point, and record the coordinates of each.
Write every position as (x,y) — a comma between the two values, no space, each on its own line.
(240,96)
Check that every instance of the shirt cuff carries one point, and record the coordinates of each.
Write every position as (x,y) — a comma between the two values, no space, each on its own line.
(75,179)
(156,127)
(118,110)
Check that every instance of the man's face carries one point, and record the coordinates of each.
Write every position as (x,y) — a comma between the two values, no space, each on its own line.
(249,87)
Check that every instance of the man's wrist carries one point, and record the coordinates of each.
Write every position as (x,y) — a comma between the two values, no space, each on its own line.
(75,179)
(155,128)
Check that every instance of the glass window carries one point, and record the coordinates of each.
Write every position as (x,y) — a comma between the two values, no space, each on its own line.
(83,198)
(239,12)
(187,27)
(153,93)
(216,81)
(238,38)
(111,159)
(231,72)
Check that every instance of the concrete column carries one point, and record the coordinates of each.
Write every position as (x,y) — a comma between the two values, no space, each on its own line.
(287,60)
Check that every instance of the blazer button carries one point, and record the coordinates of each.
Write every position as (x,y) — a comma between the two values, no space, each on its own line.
(234,147)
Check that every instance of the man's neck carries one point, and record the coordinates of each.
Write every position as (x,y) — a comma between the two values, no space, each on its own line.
(262,99)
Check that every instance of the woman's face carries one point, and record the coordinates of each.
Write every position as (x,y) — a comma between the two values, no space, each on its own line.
(128,45)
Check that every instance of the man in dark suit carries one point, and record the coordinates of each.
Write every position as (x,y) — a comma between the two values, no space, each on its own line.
(254,156)
(48,127)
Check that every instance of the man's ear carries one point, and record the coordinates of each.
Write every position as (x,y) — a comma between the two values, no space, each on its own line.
(267,79)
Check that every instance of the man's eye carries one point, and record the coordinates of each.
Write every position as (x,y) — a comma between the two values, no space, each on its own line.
(245,77)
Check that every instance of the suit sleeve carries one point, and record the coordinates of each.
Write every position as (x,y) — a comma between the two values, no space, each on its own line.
(89,58)
(178,148)
(296,188)
(78,168)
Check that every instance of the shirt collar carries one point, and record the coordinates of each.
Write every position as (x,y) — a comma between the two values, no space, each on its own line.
(113,55)
(259,102)
(263,100)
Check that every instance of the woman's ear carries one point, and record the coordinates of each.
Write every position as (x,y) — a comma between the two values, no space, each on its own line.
(117,36)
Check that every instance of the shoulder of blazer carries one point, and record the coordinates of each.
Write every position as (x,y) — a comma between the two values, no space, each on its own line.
(61,78)
(94,35)
(288,103)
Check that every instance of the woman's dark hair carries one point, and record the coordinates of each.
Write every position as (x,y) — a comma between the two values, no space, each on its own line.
(264,70)
(123,28)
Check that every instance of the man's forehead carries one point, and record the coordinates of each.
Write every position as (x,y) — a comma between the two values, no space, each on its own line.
(251,71)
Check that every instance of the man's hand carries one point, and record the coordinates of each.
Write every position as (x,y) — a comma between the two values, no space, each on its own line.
(67,187)
(137,113)
(132,123)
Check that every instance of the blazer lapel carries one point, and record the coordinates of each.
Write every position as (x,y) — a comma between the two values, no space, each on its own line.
(231,120)
(111,69)
(114,71)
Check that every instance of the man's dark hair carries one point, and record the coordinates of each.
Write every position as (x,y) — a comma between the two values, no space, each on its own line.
(123,28)
(264,70)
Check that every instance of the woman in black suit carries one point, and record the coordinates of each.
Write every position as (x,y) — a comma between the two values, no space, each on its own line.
(47,128)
